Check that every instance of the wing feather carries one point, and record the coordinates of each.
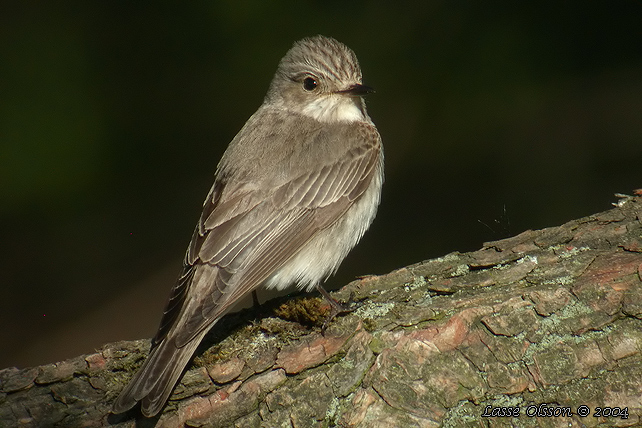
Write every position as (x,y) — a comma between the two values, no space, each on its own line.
(245,235)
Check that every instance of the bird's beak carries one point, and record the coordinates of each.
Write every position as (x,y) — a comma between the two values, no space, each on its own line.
(357,90)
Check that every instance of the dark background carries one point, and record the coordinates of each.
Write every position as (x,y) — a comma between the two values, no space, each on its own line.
(497,117)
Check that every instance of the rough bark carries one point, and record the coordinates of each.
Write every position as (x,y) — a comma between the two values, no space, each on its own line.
(549,318)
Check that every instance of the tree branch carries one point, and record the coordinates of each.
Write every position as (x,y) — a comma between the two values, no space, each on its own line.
(548,321)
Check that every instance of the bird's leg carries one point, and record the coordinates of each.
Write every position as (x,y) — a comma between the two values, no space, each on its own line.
(336,308)
(255,300)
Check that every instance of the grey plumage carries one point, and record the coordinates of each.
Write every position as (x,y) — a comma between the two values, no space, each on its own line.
(294,192)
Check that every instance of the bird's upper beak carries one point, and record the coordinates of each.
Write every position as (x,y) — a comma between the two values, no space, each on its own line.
(357,90)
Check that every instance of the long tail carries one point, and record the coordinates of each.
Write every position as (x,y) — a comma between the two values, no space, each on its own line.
(155,380)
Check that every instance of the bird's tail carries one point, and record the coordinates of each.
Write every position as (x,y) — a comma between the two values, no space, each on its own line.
(155,380)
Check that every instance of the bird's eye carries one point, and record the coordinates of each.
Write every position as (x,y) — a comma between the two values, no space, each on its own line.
(309,83)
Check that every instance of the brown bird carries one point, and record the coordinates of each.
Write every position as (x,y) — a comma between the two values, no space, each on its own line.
(294,192)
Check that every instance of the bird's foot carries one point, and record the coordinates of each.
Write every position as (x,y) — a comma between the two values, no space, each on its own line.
(336,308)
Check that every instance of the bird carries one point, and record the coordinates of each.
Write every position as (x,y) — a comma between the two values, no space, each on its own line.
(293,193)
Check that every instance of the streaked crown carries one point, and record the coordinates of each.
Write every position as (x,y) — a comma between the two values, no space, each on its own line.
(323,55)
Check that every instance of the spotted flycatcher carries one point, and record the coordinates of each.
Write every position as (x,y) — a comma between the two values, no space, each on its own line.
(294,192)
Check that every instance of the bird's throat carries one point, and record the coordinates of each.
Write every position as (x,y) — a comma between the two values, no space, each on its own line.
(335,108)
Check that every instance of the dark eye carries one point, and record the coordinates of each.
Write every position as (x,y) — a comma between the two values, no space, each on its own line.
(309,83)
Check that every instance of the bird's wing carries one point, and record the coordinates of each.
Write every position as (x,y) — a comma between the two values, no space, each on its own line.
(246,236)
